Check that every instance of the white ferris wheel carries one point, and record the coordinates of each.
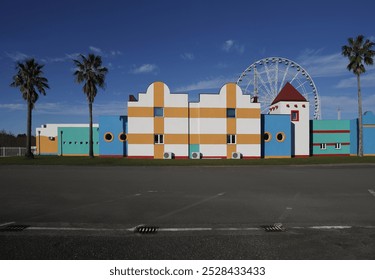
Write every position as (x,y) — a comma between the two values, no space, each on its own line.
(266,77)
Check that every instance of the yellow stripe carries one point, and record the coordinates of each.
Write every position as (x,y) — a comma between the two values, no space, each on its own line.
(208,113)
(231,148)
(174,112)
(158,151)
(231,95)
(251,113)
(248,139)
(208,138)
(140,111)
(140,138)
(176,139)
(158,94)
(159,125)
(231,126)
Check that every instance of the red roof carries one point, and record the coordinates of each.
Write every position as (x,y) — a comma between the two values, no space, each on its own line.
(288,93)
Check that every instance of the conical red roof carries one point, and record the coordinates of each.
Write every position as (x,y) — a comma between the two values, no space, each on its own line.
(288,93)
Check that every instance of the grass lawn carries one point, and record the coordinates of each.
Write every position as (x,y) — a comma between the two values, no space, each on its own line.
(56,160)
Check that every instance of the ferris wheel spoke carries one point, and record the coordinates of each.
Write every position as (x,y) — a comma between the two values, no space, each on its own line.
(269,90)
(284,77)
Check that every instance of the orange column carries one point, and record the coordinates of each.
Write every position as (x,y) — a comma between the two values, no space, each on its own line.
(159,121)
(231,122)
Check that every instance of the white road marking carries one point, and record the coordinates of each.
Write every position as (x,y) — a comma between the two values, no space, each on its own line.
(330,227)
(186,229)
(6,224)
(372,192)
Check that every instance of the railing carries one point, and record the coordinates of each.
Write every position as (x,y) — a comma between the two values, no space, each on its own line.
(14,151)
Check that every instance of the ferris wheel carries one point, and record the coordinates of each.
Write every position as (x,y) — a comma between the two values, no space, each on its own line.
(266,77)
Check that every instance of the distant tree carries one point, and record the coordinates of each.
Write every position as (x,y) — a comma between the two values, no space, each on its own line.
(359,52)
(29,79)
(90,72)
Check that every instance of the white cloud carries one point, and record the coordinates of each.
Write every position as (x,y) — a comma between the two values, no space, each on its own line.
(231,45)
(115,53)
(367,80)
(187,56)
(145,68)
(17,56)
(212,83)
(323,65)
(13,106)
(95,49)
(348,106)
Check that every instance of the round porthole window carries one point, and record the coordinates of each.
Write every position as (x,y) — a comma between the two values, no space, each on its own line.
(108,137)
(267,137)
(280,137)
(122,137)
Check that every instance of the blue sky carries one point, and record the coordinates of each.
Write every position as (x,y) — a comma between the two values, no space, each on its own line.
(192,46)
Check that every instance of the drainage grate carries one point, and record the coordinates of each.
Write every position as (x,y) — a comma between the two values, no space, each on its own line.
(14,228)
(274,228)
(146,229)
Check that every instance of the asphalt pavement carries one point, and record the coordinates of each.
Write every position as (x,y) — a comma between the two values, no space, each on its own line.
(244,212)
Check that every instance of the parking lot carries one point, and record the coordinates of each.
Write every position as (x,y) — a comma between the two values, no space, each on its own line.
(249,212)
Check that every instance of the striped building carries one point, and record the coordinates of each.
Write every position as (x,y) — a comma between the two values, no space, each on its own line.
(158,124)
(224,125)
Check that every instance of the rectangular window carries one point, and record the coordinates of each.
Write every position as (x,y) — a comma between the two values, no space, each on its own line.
(338,146)
(294,115)
(158,112)
(158,138)
(231,139)
(323,146)
(231,113)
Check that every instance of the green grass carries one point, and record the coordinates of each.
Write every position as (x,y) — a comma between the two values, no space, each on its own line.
(56,160)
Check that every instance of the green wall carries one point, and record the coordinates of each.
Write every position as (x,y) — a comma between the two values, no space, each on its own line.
(75,140)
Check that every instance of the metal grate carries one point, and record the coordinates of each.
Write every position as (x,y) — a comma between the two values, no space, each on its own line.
(274,228)
(146,229)
(14,228)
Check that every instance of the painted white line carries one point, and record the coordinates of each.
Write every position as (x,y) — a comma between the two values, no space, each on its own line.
(184,229)
(6,224)
(238,229)
(137,194)
(330,227)
(372,192)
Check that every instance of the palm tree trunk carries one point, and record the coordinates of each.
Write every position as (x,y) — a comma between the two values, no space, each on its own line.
(91,139)
(28,153)
(360,128)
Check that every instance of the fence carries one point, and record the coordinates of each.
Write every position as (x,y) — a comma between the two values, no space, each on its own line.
(14,151)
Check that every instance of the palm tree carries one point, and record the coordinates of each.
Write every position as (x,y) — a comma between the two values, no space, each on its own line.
(30,80)
(92,73)
(359,51)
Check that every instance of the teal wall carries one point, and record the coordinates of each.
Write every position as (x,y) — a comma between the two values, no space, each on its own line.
(330,132)
(75,140)
(193,148)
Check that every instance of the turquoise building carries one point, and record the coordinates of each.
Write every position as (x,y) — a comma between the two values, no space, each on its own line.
(330,137)
(73,141)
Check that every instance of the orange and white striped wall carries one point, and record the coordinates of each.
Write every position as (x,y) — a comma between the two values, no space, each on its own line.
(158,123)
(224,123)
(215,127)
